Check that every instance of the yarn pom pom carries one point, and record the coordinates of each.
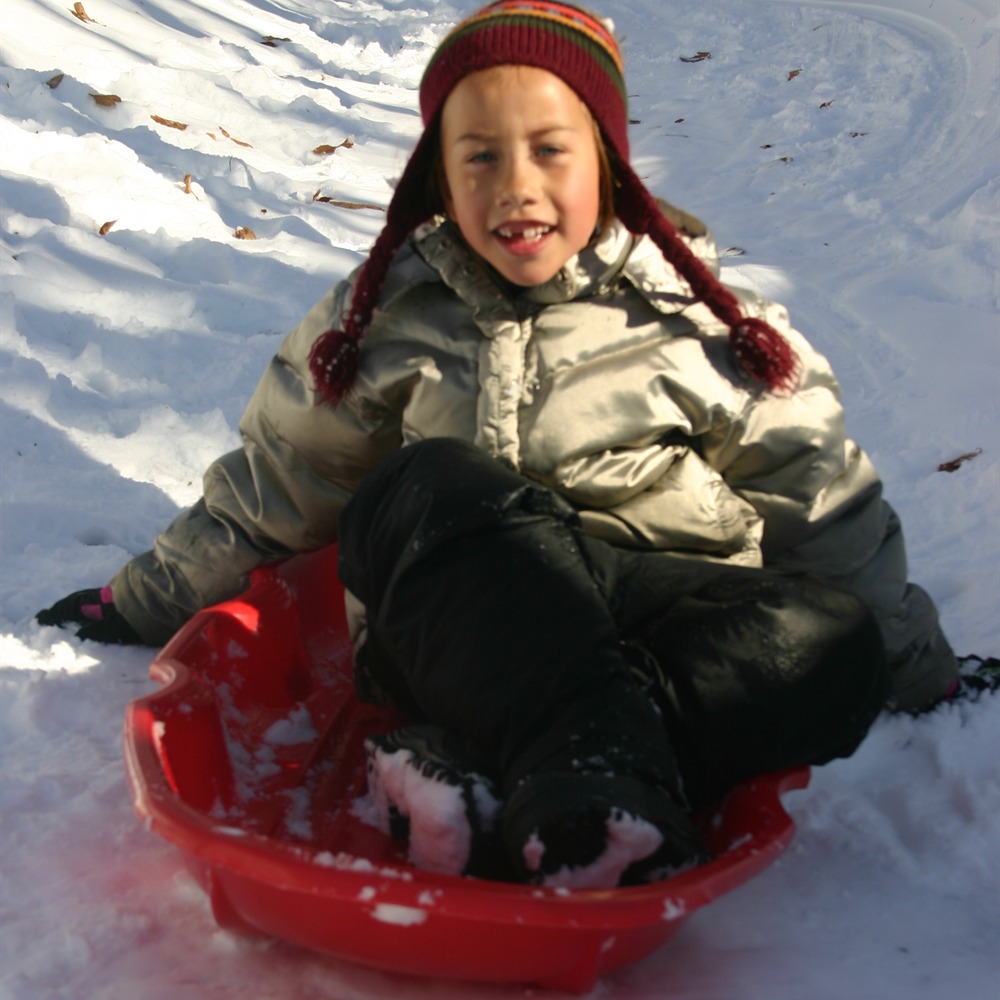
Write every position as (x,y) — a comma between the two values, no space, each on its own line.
(333,362)
(765,354)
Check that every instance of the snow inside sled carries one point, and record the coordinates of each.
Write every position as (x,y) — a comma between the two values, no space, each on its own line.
(249,757)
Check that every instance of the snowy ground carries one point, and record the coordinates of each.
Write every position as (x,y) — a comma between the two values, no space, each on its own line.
(851,151)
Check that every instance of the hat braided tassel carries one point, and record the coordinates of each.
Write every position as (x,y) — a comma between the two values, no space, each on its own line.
(334,357)
(333,363)
(762,351)
(765,353)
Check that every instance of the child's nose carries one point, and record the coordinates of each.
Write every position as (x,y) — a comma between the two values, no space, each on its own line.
(518,184)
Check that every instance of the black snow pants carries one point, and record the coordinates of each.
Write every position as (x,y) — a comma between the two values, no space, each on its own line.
(491,613)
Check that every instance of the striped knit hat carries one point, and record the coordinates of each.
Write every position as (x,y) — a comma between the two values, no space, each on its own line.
(578,47)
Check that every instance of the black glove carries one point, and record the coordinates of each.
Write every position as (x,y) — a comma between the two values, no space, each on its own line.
(94,611)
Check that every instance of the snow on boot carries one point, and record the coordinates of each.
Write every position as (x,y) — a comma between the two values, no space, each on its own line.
(977,675)
(597,830)
(423,786)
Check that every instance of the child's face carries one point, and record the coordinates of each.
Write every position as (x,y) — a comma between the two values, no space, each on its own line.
(520,157)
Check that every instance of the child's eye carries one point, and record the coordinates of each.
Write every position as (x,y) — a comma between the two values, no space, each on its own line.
(549,151)
(482,157)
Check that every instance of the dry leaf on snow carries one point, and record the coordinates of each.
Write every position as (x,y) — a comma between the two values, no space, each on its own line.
(953,465)
(245,233)
(239,142)
(168,122)
(793,73)
(54,81)
(327,150)
(697,57)
(106,228)
(346,204)
(106,100)
(78,11)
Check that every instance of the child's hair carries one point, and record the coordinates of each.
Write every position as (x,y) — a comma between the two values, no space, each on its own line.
(580,49)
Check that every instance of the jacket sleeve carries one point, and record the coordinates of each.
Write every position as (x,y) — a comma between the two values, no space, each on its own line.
(824,513)
(281,493)
(788,455)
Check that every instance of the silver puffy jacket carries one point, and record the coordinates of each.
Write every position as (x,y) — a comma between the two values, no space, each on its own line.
(609,384)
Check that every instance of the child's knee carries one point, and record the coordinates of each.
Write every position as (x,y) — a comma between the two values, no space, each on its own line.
(434,491)
(841,623)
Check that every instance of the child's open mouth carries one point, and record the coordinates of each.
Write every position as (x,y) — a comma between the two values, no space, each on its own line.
(523,239)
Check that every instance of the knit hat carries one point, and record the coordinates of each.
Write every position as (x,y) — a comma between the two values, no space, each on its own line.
(578,47)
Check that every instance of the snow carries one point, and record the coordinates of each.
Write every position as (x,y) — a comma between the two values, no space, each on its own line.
(863,193)
(404,916)
(435,807)
(629,838)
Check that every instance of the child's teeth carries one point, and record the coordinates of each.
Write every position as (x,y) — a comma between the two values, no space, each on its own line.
(527,234)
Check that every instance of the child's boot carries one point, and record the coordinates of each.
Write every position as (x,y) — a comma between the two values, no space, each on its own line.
(598,800)
(425,786)
(591,830)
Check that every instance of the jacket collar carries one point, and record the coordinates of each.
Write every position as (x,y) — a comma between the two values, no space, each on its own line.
(616,254)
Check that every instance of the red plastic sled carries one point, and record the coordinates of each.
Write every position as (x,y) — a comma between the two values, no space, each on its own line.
(250,755)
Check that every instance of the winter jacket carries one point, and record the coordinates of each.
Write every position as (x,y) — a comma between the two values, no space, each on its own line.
(610,383)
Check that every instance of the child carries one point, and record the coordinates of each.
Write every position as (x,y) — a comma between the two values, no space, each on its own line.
(599,523)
